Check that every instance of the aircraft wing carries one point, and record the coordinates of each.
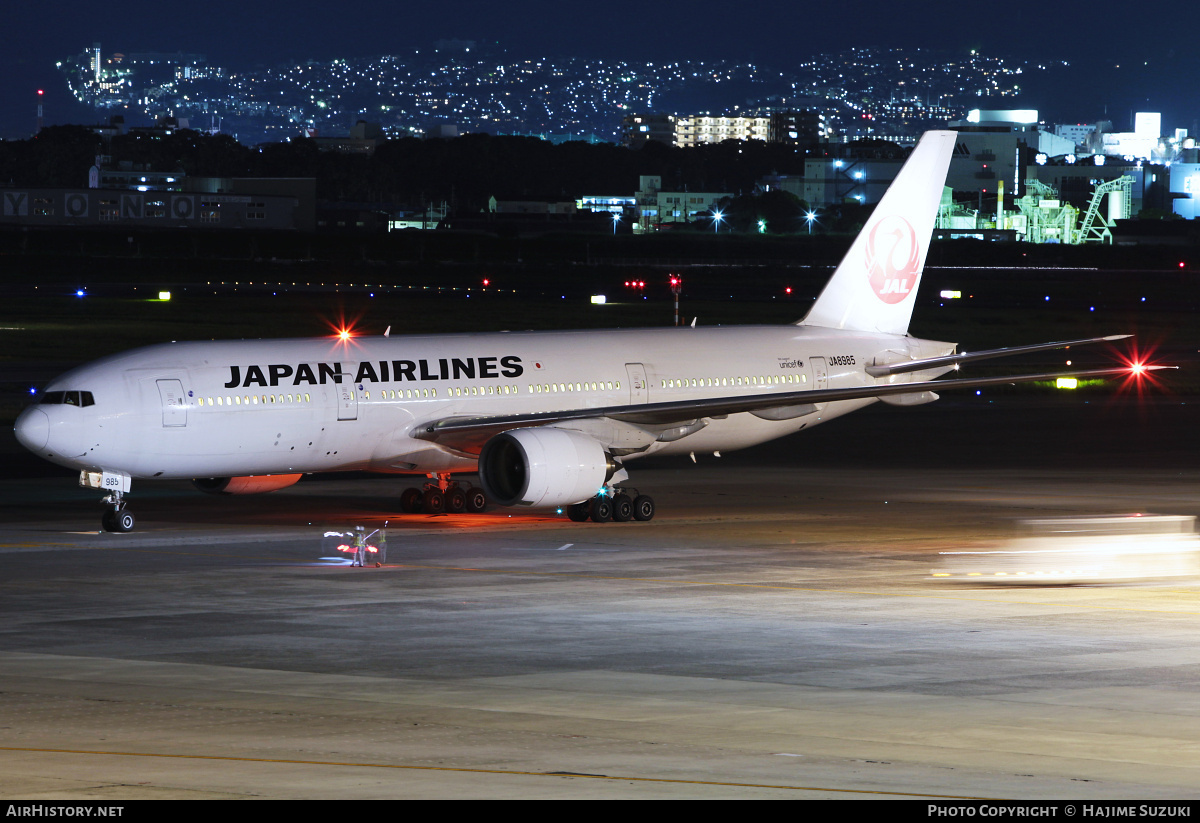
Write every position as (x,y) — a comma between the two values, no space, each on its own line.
(905,366)
(468,434)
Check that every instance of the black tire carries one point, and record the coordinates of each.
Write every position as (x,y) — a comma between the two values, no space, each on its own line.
(476,500)
(622,506)
(643,507)
(410,501)
(108,520)
(433,502)
(601,509)
(456,500)
(579,512)
(121,521)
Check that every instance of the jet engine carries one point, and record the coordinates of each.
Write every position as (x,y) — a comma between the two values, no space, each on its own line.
(543,467)
(245,485)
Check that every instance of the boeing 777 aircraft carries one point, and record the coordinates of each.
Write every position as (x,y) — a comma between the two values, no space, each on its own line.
(546,418)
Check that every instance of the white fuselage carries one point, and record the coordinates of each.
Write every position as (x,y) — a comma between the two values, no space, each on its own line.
(258,407)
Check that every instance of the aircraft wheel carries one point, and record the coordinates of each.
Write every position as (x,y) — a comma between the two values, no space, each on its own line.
(601,509)
(622,508)
(433,502)
(410,501)
(456,500)
(476,500)
(118,521)
(643,507)
(579,512)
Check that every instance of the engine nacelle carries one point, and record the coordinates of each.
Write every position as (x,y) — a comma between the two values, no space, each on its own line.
(245,485)
(543,467)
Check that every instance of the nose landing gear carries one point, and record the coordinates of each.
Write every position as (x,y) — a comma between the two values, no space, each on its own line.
(117,518)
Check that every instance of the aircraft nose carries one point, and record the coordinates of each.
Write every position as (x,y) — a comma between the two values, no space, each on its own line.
(33,429)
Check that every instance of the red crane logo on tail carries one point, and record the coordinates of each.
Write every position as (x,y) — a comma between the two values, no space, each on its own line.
(893,259)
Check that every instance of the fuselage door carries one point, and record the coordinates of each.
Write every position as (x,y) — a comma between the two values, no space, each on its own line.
(820,372)
(820,376)
(174,402)
(347,394)
(638,389)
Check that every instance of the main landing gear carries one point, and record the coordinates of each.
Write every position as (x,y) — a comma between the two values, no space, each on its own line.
(117,518)
(613,504)
(441,495)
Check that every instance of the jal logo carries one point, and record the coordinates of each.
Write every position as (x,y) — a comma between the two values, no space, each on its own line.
(893,259)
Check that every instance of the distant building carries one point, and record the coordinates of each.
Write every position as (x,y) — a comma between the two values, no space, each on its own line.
(1185,188)
(698,130)
(797,127)
(441,131)
(364,138)
(1080,134)
(683,130)
(35,208)
(429,218)
(638,129)
(1076,182)
(686,206)
(1000,145)
(531,207)
(831,180)
(136,177)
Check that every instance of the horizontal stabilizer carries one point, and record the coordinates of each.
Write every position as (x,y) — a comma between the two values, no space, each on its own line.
(905,366)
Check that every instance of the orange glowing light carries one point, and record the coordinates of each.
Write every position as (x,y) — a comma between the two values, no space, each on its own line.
(344,334)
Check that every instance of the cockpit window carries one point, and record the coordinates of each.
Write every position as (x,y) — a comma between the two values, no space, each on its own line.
(67,398)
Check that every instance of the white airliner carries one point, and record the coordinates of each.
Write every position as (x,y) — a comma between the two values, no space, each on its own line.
(547,419)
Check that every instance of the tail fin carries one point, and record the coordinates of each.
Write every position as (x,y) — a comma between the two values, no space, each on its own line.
(875,286)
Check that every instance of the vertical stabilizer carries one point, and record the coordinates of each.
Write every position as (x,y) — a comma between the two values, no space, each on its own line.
(875,286)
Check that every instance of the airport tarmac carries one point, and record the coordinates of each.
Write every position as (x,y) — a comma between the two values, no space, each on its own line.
(773,632)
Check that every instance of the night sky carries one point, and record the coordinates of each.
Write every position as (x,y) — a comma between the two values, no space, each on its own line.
(246,33)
